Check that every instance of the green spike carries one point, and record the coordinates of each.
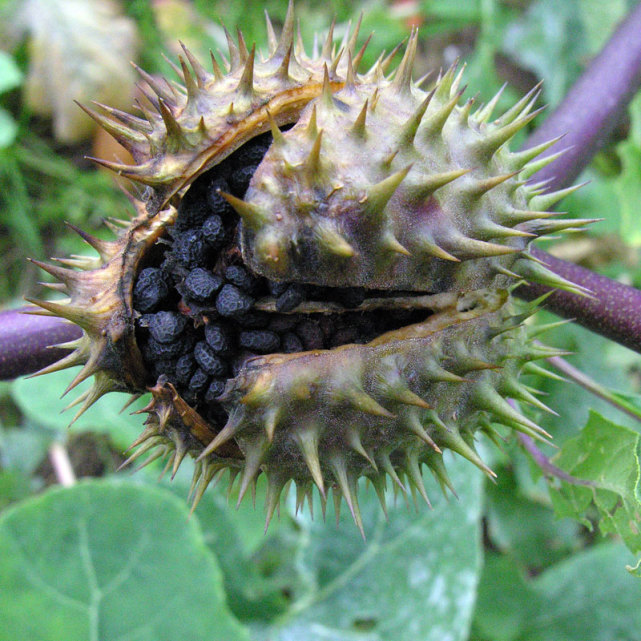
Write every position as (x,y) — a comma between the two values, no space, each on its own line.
(512,388)
(547,201)
(537,273)
(312,164)
(453,440)
(519,159)
(326,97)
(403,76)
(484,113)
(522,107)
(277,134)
(378,195)
(246,83)
(487,398)
(378,483)
(480,187)
(466,248)
(486,230)
(387,466)
(131,139)
(390,243)
(331,240)
(287,34)
(543,227)
(434,124)
(234,425)
(435,462)
(432,249)
(536,330)
(328,45)
(251,214)
(361,401)
(432,371)
(275,485)
(413,423)
(359,128)
(354,440)
(536,370)
(429,184)
(348,486)
(412,124)
(498,136)
(413,471)
(536,165)
(307,440)
(272,414)
(271,34)
(404,395)
(254,456)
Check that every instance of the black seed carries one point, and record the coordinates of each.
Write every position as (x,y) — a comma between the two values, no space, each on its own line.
(154,351)
(216,388)
(259,341)
(344,336)
(239,179)
(219,338)
(241,278)
(253,152)
(187,342)
(216,202)
(185,367)
(199,381)
(166,327)
(192,211)
(349,297)
(281,323)
(208,360)
(190,249)
(231,301)
(291,298)
(276,289)
(291,343)
(254,319)
(214,232)
(201,285)
(310,334)
(150,289)
(164,366)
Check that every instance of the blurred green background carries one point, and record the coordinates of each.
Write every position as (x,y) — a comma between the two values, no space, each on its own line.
(118,558)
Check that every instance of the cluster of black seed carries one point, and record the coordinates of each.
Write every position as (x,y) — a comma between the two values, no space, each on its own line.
(197,323)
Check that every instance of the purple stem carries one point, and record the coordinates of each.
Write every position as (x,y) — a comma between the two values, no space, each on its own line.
(25,341)
(587,116)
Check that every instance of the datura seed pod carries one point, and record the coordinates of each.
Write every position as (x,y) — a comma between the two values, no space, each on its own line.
(316,284)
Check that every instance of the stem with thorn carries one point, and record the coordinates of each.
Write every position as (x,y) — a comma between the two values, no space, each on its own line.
(587,116)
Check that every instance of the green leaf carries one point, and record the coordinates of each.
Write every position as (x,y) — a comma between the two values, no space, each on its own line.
(585,598)
(109,560)
(39,399)
(607,455)
(10,74)
(8,129)
(414,577)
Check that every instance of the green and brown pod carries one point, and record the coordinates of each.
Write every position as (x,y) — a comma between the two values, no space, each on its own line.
(316,283)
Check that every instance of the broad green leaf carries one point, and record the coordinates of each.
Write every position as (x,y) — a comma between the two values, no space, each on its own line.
(8,128)
(39,399)
(10,74)
(524,526)
(588,597)
(608,456)
(109,560)
(413,578)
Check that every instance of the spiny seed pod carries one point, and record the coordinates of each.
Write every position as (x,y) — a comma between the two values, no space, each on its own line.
(316,285)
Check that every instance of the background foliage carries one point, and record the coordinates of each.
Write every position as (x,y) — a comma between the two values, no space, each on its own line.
(117,557)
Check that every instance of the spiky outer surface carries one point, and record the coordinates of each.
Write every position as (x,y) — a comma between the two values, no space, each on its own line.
(378,184)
